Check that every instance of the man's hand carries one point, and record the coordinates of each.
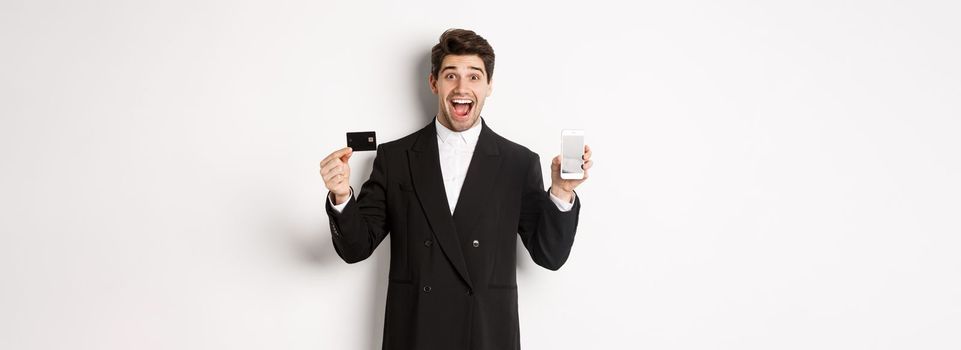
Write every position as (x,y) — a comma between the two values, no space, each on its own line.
(336,174)
(564,189)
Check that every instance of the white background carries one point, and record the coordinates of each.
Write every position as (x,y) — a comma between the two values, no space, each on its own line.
(768,176)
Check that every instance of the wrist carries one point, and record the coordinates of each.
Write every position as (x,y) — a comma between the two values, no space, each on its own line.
(562,194)
(339,199)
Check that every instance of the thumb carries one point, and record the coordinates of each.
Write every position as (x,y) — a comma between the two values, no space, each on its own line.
(346,157)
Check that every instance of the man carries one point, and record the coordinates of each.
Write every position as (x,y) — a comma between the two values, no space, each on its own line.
(454,196)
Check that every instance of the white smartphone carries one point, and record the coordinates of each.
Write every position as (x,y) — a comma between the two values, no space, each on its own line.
(572,154)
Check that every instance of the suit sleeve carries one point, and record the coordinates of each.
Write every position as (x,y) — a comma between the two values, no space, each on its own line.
(362,225)
(547,232)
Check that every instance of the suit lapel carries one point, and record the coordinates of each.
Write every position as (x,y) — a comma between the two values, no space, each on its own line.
(429,185)
(476,193)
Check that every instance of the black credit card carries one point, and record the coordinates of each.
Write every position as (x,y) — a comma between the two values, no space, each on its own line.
(362,141)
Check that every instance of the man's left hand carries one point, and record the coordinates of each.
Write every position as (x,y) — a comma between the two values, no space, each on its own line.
(564,189)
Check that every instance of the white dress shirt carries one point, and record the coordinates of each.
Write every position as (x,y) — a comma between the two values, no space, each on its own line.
(455,150)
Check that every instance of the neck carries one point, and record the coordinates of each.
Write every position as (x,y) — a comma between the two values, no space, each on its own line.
(451,127)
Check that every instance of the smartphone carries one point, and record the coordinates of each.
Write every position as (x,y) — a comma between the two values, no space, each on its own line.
(572,154)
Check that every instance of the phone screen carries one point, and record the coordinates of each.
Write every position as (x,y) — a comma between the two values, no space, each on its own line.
(573,157)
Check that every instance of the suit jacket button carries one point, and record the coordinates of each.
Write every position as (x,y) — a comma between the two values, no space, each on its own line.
(428,243)
(476,243)
(470,292)
(426,289)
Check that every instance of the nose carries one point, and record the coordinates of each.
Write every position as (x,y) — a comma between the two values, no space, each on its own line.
(460,86)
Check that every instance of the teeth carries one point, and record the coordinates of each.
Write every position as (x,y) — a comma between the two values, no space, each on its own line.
(461,101)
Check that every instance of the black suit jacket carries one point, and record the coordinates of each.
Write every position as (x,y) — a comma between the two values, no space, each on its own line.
(452,282)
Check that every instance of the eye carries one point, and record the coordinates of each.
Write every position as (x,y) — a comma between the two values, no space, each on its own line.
(474,77)
(450,76)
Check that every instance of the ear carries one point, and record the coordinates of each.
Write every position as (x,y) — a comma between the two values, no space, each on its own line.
(432,82)
(490,88)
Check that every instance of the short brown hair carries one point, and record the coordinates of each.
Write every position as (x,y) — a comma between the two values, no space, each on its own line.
(462,42)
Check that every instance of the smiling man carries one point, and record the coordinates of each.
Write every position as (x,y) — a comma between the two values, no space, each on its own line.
(454,197)
(462,85)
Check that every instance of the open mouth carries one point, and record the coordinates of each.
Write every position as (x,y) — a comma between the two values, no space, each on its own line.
(462,107)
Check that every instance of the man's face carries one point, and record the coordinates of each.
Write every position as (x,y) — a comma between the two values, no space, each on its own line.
(461,87)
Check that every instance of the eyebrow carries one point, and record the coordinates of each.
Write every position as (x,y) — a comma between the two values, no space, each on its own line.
(470,67)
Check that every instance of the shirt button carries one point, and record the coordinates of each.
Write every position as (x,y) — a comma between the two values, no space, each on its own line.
(427,289)
(476,243)
(428,243)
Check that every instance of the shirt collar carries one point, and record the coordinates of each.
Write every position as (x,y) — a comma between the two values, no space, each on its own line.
(469,136)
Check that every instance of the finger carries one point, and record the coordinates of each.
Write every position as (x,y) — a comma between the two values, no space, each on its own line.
(587,152)
(327,159)
(346,156)
(330,167)
(329,178)
(337,154)
(339,179)
(331,174)
(587,165)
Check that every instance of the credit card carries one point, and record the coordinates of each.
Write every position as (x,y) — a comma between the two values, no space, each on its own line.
(362,141)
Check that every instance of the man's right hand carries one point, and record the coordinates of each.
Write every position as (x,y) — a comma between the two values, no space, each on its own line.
(336,174)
